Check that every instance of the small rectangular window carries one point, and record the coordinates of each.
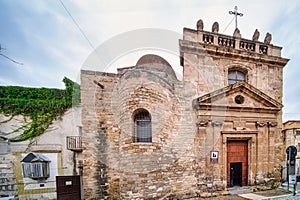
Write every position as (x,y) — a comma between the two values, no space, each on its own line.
(35,166)
(235,76)
(35,170)
(142,126)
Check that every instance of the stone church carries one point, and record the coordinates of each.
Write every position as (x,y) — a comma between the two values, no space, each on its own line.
(148,135)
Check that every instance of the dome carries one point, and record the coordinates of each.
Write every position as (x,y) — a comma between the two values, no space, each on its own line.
(152,59)
(156,62)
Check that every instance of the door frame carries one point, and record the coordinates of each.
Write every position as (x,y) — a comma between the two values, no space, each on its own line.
(251,137)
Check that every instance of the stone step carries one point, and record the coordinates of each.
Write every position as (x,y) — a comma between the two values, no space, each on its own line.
(239,190)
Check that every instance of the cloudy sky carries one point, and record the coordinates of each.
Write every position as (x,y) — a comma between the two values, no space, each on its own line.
(54,38)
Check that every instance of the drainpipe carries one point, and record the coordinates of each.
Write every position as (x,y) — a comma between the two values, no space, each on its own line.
(74,164)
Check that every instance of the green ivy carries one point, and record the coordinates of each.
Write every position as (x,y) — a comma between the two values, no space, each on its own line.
(42,105)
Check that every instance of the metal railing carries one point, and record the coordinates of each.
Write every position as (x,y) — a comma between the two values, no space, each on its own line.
(74,143)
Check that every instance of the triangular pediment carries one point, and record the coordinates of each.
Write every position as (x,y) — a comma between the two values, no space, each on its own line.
(238,96)
(35,157)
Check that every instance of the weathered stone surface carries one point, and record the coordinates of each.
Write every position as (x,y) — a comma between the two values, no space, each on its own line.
(189,118)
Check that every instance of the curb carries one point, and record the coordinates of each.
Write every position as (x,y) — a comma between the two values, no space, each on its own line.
(286,196)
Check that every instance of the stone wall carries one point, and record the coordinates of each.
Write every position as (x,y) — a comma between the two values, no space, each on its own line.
(8,184)
(189,118)
(209,70)
(137,170)
(53,141)
(207,57)
(98,129)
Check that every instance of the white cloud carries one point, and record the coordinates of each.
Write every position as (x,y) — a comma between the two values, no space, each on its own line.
(51,46)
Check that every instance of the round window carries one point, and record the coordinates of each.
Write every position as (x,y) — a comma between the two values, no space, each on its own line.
(239,99)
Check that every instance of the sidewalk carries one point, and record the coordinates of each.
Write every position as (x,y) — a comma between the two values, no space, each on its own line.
(253,196)
(271,194)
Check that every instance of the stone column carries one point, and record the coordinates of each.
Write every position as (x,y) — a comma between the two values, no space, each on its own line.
(262,151)
(271,129)
(200,148)
(237,42)
(200,36)
(216,41)
(252,164)
(217,146)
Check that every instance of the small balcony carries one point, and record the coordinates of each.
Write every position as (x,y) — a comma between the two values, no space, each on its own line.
(74,143)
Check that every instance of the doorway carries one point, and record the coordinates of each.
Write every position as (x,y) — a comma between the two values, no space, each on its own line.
(237,163)
(235,174)
(68,187)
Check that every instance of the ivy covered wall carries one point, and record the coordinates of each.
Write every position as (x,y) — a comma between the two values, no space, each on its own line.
(41,105)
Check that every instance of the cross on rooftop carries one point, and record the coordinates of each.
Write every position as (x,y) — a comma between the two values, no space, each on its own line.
(235,13)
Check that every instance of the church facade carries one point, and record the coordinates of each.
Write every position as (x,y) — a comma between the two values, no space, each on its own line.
(147,134)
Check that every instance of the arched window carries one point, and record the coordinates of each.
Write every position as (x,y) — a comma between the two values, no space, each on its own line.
(142,126)
(235,76)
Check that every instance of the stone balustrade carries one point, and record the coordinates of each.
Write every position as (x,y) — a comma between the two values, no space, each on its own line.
(233,42)
(226,41)
(247,45)
(208,38)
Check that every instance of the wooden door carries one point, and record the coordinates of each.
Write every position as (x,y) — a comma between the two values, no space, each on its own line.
(68,187)
(237,163)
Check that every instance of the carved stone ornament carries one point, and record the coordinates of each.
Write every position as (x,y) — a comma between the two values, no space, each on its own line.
(255,35)
(237,33)
(261,124)
(196,105)
(268,38)
(202,123)
(272,124)
(200,25)
(216,123)
(215,27)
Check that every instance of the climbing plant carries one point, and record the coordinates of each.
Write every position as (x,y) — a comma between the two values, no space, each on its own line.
(41,105)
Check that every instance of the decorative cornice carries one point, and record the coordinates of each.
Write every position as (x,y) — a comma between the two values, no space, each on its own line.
(217,51)
(272,124)
(244,132)
(209,98)
(261,124)
(269,124)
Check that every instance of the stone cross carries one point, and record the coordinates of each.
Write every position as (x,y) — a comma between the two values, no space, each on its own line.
(235,13)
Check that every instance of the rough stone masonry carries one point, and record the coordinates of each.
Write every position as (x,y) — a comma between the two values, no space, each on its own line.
(229,101)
